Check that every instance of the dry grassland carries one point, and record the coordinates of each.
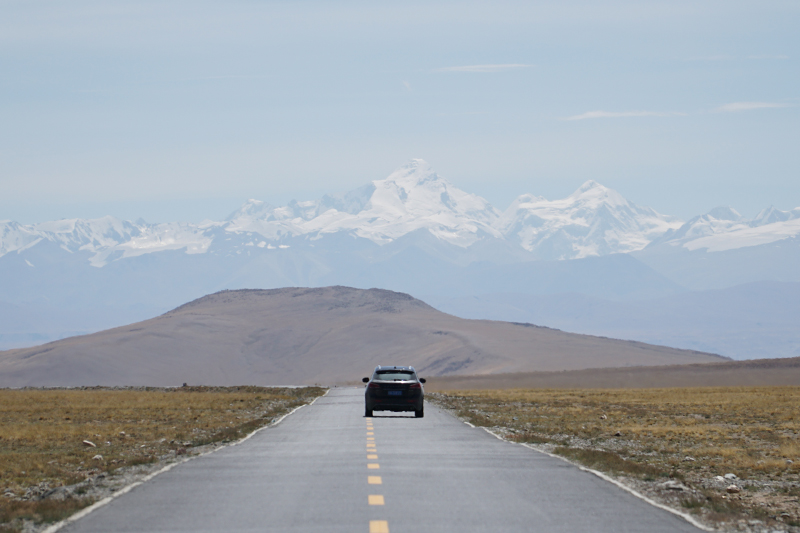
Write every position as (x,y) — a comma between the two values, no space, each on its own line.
(47,471)
(670,444)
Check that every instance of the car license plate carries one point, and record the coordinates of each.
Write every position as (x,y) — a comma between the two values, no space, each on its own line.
(395,393)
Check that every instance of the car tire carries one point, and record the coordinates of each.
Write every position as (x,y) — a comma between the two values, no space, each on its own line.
(420,413)
(367,412)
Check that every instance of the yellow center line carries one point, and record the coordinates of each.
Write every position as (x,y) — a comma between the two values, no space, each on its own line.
(374,480)
(370,438)
(370,433)
(373,466)
(378,526)
(372,456)
(375,499)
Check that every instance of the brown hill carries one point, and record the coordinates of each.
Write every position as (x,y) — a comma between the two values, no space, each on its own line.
(325,335)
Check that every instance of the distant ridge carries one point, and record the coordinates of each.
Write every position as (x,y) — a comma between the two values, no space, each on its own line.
(322,335)
(755,373)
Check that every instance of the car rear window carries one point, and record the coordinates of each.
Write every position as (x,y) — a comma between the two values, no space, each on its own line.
(394,375)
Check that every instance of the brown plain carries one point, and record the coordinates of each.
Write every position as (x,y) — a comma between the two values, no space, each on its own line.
(650,436)
(42,434)
(304,336)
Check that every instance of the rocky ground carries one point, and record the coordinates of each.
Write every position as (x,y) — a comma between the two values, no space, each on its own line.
(98,485)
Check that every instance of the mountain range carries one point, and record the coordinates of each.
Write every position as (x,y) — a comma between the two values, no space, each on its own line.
(593,221)
(412,232)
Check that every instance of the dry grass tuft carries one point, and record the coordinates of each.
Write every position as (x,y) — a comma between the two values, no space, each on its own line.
(647,436)
(42,434)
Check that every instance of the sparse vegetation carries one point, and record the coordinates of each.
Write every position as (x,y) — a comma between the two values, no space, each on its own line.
(55,438)
(669,443)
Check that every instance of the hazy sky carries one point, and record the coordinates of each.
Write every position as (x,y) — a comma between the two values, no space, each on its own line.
(176,110)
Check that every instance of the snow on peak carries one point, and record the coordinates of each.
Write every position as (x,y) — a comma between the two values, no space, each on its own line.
(250,209)
(725,212)
(411,198)
(590,186)
(416,190)
(415,170)
(594,220)
(723,228)
(771,215)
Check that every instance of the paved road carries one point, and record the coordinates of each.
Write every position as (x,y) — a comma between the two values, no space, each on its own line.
(327,468)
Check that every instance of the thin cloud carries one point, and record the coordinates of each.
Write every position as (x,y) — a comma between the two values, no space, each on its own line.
(234,77)
(484,68)
(735,58)
(623,114)
(735,107)
(712,58)
(767,57)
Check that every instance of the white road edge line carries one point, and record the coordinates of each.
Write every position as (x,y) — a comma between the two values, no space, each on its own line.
(95,506)
(611,480)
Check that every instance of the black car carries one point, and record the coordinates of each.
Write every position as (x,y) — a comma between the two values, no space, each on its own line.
(394,388)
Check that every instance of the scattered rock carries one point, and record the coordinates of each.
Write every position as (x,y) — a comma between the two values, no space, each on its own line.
(122,433)
(674,485)
(789,462)
(733,489)
(603,417)
(97,457)
(719,479)
(688,458)
(730,476)
(180,451)
(89,443)
(617,434)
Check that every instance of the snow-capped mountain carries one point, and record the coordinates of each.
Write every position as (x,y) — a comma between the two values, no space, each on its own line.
(723,228)
(415,201)
(594,220)
(414,232)
(413,197)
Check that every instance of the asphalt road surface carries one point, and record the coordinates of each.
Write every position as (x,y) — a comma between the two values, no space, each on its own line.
(327,468)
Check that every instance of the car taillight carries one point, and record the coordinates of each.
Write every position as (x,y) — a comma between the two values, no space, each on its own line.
(415,386)
(374,386)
